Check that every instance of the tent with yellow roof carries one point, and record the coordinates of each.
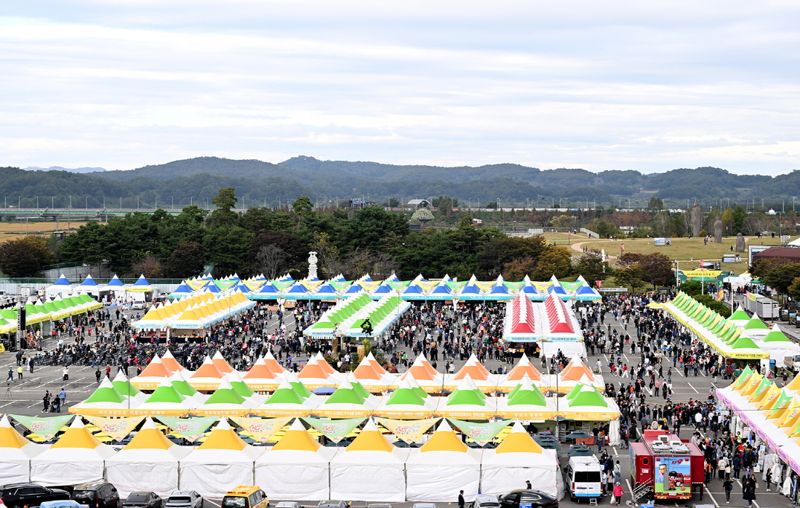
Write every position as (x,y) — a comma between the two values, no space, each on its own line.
(296,467)
(441,467)
(369,469)
(15,454)
(76,457)
(149,462)
(222,461)
(518,459)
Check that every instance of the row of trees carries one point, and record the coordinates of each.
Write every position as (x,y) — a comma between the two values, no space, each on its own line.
(352,242)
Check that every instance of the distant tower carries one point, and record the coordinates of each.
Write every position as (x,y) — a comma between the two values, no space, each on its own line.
(312,265)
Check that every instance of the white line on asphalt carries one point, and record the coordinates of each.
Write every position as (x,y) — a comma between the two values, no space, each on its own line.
(626,358)
(692,387)
(628,481)
(34,404)
(212,502)
(615,451)
(7,404)
(679,371)
(712,498)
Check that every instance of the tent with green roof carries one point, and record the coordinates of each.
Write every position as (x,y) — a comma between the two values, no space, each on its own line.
(526,402)
(586,403)
(755,324)
(104,401)
(776,335)
(467,402)
(164,401)
(346,402)
(287,400)
(225,401)
(739,317)
(407,402)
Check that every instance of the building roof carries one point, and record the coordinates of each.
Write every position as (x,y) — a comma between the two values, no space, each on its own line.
(779,253)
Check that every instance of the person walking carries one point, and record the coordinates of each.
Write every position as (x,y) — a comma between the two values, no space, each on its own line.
(749,490)
(617,493)
(10,378)
(460,499)
(20,370)
(46,401)
(728,486)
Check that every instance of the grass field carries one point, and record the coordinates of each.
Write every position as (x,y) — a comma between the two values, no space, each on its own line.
(12,230)
(682,249)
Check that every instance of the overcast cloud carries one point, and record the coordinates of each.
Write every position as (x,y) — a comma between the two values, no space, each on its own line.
(601,85)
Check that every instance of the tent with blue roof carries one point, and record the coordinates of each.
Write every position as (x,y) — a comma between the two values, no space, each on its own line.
(586,293)
(210,287)
(530,290)
(338,278)
(242,288)
(366,278)
(325,292)
(62,281)
(115,282)
(182,291)
(499,290)
(115,285)
(141,285)
(354,289)
(297,291)
(89,281)
(471,291)
(267,292)
(381,291)
(393,278)
(441,292)
(557,288)
(413,292)
(89,285)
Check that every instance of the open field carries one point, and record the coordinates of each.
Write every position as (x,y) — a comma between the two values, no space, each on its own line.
(682,249)
(12,230)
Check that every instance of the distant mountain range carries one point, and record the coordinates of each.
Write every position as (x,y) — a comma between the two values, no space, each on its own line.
(257,182)
(68,170)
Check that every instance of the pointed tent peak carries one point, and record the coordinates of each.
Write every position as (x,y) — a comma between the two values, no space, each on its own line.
(444,426)
(269,355)
(517,428)
(523,361)
(115,281)
(472,360)
(4,423)
(444,439)
(526,280)
(518,441)
(467,384)
(498,281)
(370,425)
(77,436)
(120,377)
(223,424)
(297,425)
(554,280)
(776,335)
(284,385)
(149,424)
(62,281)
(755,323)
(739,315)
(89,281)
(9,437)
(105,383)
(141,281)
(77,423)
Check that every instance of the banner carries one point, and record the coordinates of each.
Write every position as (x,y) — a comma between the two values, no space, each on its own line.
(47,426)
(261,429)
(190,429)
(335,430)
(408,431)
(117,428)
(481,433)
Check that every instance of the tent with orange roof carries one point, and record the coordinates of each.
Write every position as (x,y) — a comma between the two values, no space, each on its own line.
(170,363)
(222,461)
(324,365)
(423,374)
(221,363)
(480,375)
(316,374)
(369,469)
(272,364)
(441,467)
(15,454)
(374,377)
(149,462)
(207,377)
(518,459)
(152,375)
(296,467)
(575,372)
(76,457)
(523,368)
(260,377)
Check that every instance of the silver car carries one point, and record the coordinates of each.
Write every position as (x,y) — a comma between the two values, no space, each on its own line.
(485,501)
(184,499)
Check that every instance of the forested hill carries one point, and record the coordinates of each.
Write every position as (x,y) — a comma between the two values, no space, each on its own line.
(257,181)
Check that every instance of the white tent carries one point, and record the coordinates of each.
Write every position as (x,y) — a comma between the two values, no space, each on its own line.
(370,469)
(296,467)
(221,462)
(519,459)
(15,454)
(76,457)
(443,466)
(149,462)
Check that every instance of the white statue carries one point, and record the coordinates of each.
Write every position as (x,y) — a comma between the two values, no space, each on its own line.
(312,265)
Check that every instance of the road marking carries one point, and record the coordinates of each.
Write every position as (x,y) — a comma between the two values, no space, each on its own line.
(615,451)
(626,358)
(628,481)
(212,502)
(692,387)
(712,498)
(8,404)
(35,404)
(679,371)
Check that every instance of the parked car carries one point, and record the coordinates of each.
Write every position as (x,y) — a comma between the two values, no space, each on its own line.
(184,499)
(423,505)
(485,501)
(379,505)
(332,504)
(245,496)
(288,504)
(532,498)
(17,495)
(97,494)
(66,503)
(143,500)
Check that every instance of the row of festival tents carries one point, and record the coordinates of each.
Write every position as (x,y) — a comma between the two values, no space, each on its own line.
(201,310)
(317,374)
(48,310)
(63,287)
(773,413)
(420,288)
(551,320)
(739,336)
(349,400)
(297,467)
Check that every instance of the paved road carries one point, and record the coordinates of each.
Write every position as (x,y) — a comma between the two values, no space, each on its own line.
(25,398)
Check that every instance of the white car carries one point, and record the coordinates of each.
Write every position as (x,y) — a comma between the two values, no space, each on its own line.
(184,499)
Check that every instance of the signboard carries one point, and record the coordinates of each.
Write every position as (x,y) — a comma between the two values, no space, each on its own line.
(752,250)
(673,478)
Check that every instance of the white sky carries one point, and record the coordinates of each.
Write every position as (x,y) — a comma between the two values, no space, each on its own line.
(602,85)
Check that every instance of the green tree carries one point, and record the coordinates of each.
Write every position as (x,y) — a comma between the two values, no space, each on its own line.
(739,218)
(656,269)
(655,203)
(553,261)
(782,276)
(604,228)
(591,267)
(225,201)
(187,259)
(794,288)
(24,257)
(228,249)
(629,277)
(303,206)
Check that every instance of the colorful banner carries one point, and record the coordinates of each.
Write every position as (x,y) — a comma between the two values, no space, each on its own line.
(673,478)
(117,428)
(261,429)
(47,426)
(190,429)
(481,433)
(408,431)
(335,430)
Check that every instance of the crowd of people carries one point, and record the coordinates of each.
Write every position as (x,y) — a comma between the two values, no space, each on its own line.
(638,348)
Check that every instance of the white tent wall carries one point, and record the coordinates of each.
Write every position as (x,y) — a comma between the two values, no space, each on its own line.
(503,473)
(296,475)
(212,473)
(148,470)
(613,432)
(361,476)
(437,477)
(67,467)
(14,469)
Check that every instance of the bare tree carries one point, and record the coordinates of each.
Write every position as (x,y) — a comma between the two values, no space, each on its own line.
(269,260)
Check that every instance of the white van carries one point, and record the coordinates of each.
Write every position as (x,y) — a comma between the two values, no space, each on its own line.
(583,477)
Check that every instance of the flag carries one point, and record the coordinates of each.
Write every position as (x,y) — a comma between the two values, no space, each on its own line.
(481,433)
(45,426)
(335,430)
(261,429)
(190,429)
(408,431)
(117,428)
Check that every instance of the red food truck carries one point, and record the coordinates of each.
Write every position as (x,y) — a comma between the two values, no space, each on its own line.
(663,467)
